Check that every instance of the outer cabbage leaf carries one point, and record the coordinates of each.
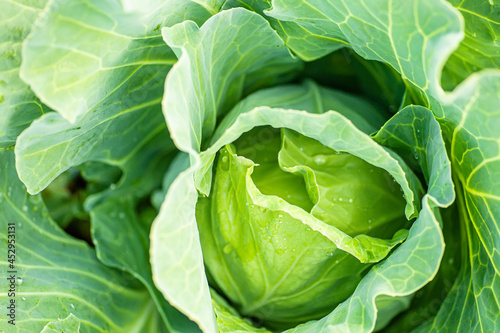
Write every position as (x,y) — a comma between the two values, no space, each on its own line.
(121,241)
(197,91)
(303,41)
(415,135)
(479,49)
(179,164)
(118,115)
(343,69)
(104,48)
(59,275)
(18,104)
(220,87)
(471,123)
(408,35)
(426,302)
(117,65)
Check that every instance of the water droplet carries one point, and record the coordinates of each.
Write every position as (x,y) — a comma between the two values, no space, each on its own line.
(369,227)
(416,157)
(121,215)
(279,251)
(25,208)
(301,148)
(308,229)
(330,254)
(112,186)
(369,221)
(224,163)
(280,215)
(23,298)
(72,306)
(337,152)
(340,199)
(319,159)
(227,249)
(19,281)
(451,261)
(418,131)
(350,200)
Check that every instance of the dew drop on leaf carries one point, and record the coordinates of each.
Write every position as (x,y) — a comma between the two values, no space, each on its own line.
(225,163)
(319,159)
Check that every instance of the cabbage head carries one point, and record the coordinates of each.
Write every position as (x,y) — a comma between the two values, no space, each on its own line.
(296,166)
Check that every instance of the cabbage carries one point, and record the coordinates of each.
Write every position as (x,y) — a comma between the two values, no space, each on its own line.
(250,166)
